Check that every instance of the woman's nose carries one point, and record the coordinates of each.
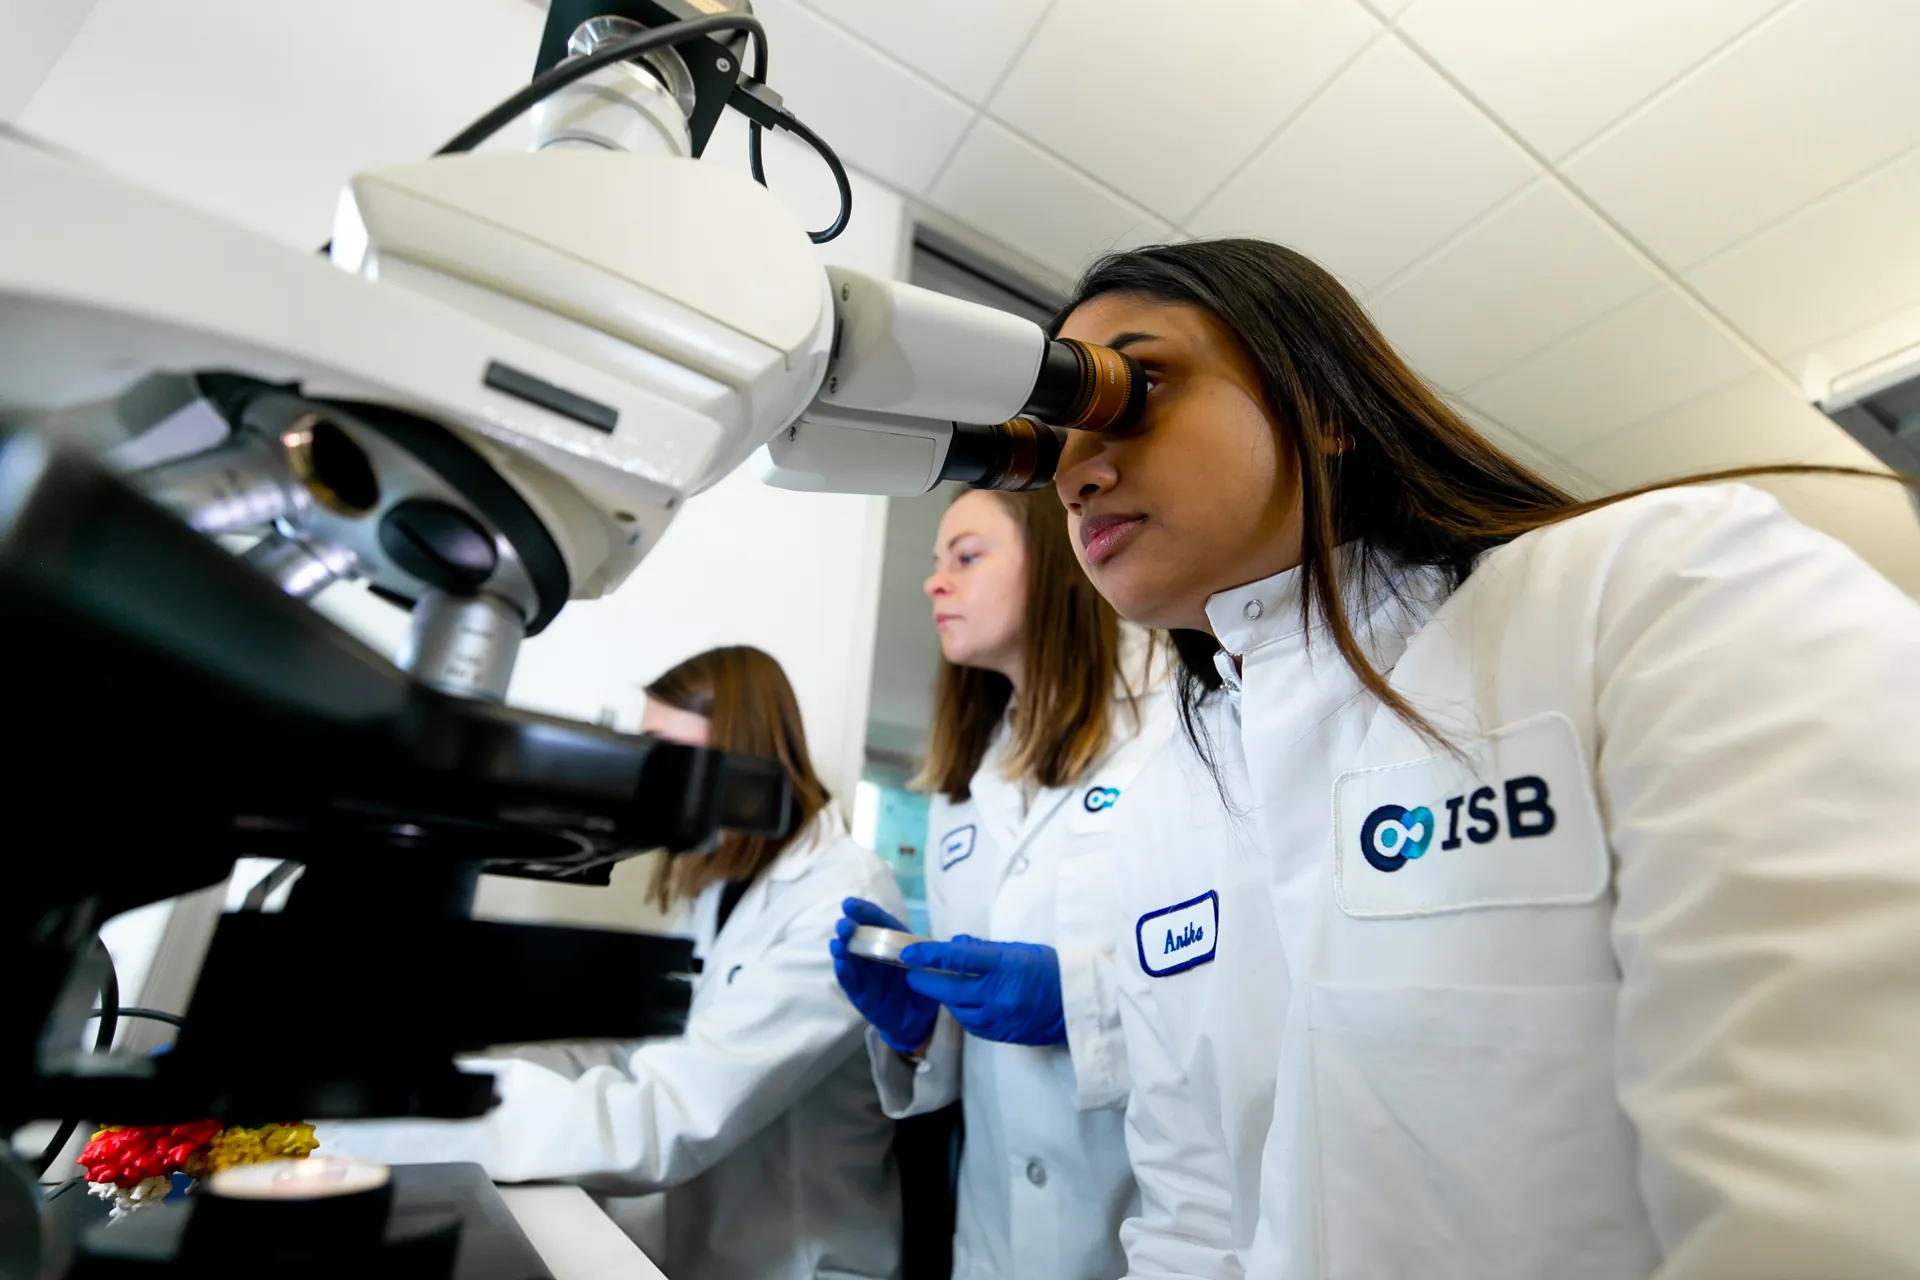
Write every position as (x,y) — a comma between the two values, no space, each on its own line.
(1084,469)
(935,586)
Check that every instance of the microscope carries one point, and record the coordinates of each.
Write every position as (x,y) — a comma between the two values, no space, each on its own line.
(488,396)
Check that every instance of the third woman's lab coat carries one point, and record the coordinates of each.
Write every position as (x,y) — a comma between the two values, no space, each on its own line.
(1627,985)
(758,1121)
(1044,1183)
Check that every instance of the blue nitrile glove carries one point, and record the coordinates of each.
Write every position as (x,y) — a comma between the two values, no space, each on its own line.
(1007,991)
(903,1017)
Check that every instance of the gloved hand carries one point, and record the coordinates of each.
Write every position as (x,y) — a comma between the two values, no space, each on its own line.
(1007,991)
(903,1017)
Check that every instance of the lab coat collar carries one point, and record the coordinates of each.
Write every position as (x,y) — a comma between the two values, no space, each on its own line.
(1268,611)
(1386,601)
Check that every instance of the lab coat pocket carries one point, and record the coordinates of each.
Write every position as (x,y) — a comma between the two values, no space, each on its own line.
(1473,1132)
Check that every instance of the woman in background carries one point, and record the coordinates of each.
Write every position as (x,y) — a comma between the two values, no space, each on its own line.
(1042,715)
(759,1121)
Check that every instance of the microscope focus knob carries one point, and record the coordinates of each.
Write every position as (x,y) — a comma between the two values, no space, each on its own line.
(439,544)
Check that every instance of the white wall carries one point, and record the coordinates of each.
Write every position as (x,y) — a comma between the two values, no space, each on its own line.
(261,109)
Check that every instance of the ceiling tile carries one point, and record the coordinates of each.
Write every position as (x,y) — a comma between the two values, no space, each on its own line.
(1648,356)
(1810,99)
(966,47)
(38,32)
(1832,268)
(1756,421)
(1162,110)
(261,113)
(1384,165)
(1559,72)
(1014,192)
(1751,422)
(1533,272)
(1550,465)
(835,83)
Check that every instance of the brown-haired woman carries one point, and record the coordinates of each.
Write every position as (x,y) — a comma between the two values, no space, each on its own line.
(1593,887)
(759,1121)
(1042,715)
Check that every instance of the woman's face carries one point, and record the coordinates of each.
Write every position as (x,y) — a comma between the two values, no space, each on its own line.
(671,724)
(1198,497)
(979,585)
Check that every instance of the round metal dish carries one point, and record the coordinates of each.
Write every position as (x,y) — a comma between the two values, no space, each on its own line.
(870,942)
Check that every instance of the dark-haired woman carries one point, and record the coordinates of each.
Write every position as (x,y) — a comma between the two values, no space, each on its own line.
(759,1121)
(1588,827)
(1041,717)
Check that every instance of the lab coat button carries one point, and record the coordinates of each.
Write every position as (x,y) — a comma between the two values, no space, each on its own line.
(1252,610)
(1036,1173)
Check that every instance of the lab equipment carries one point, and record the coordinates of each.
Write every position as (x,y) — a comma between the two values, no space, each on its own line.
(875,942)
(902,1016)
(487,399)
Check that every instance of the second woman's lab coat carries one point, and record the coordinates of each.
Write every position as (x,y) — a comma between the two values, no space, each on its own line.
(1626,985)
(1044,1182)
(759,1121)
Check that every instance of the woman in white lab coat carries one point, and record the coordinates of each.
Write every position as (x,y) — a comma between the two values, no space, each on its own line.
(1584,831)
(759,1121)
(1044,711)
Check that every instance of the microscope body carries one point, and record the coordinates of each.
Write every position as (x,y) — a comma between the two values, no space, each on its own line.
(488,397)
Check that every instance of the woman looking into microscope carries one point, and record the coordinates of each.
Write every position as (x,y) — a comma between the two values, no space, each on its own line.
(758,1122)
(1588,927)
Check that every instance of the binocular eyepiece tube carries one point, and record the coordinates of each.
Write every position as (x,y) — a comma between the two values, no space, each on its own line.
(1080,387)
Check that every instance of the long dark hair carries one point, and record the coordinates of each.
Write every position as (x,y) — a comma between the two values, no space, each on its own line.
(1384,463)
(1063,717)
(749,703)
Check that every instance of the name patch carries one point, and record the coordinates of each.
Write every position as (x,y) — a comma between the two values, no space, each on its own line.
(956,846)
(1514,824)
(1179,937)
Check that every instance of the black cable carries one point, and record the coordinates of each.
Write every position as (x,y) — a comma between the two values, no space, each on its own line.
(152,1015)
(755,165)
(109,1015)
(792,124)
(564,73)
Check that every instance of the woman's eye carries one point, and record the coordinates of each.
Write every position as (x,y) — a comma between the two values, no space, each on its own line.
(966,559)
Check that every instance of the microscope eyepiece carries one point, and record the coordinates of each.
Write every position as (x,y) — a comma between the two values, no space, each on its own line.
(1013,455)
(1086,388)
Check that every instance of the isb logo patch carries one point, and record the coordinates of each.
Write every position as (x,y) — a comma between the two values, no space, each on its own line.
(956,846)
(1507,820)
(1393,835)
(1100,798)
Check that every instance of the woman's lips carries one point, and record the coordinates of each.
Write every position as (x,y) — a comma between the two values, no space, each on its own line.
(1102,535)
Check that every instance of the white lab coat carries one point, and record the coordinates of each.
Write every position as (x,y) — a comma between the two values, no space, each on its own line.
(1642,993)
(759,1121)
(1044,1182)
(1202,1015)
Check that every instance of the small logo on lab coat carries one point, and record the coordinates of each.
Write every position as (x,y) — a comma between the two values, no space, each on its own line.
(1392,836)
(1179,937)
(1101,798)
(956,846)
